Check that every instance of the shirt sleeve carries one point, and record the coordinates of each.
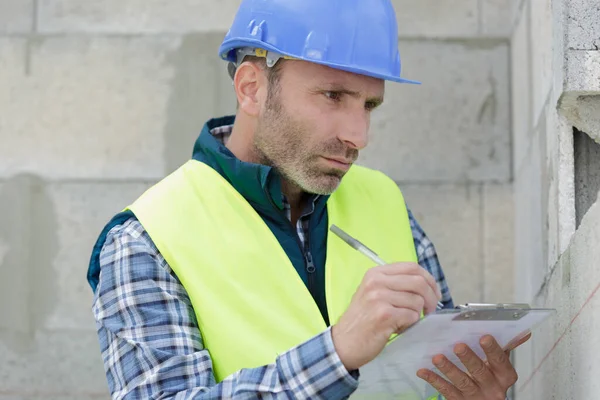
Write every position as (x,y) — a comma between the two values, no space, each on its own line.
(152,348)
(428,259)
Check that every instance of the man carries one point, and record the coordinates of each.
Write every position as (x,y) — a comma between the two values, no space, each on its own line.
(221,281)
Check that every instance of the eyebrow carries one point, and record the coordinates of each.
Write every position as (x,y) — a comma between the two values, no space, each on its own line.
(341,89)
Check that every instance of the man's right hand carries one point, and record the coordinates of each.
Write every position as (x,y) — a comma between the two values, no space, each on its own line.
(389,299)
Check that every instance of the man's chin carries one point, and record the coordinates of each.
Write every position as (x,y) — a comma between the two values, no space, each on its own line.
(325,186)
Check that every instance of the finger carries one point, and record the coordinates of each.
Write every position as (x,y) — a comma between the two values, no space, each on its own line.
(463,382)
(375,284)
(516,342)
(431,302)
(410,301)
(477,368)
(498,361)
(443,387)
(403,318)
(412,269)
(414,284)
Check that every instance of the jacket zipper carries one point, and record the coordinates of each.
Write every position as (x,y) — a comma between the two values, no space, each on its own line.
(310,269)
(308,260)
(310,265)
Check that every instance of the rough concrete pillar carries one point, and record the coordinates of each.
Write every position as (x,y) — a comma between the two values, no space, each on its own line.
(557,168)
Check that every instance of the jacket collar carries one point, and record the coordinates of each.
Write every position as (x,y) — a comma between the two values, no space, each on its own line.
(259,184)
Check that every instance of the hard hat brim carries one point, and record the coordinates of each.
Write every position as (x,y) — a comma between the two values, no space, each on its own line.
(228,46)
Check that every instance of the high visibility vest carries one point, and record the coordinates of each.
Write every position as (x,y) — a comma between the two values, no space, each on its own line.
(251,305)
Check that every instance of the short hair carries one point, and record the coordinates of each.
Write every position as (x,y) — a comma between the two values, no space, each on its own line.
(273,73)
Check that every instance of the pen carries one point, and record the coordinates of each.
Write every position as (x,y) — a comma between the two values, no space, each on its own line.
(357,245)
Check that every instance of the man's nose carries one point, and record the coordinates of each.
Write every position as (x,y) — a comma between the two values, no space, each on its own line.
(355,131)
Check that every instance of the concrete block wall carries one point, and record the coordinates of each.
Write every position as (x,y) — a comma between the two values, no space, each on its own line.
(101,99)
(445,141)
(555,98)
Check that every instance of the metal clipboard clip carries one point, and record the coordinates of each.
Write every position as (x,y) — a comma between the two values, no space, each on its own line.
(491,312)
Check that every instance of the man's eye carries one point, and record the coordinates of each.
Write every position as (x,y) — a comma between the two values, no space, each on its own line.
(335,96)
(371,105)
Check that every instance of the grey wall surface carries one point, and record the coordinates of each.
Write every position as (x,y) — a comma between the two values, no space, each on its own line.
(556,129)
(101,99)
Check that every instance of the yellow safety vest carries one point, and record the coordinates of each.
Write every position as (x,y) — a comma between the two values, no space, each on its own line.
(250,302)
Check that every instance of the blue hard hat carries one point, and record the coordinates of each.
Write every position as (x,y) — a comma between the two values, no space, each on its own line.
(359,36)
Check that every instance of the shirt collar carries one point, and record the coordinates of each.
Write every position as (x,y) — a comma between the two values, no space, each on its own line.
(259,184)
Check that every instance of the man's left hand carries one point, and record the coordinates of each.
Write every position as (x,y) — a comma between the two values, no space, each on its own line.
(485,380)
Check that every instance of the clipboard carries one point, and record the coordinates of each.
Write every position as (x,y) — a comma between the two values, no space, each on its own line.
(392,375)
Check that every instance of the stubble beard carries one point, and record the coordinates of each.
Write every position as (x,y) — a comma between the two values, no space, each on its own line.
(279,142)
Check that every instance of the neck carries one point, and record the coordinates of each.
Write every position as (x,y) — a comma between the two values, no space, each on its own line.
(240,140)
(240,144)
(296,197)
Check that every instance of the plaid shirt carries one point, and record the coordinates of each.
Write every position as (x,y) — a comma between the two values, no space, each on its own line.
(152,348)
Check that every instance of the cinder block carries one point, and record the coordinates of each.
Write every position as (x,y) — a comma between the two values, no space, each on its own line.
(426,18)
(90,107)
(498,245)
(553,161)
(4,247)
(585,116)
(544,379)
(583,24)
(65,364)
(12,69)
(12,66)
(560,172)
(201,89)
(541,32)
(450,215)
(549,379)
(523,362)
(565,343)
(583,290)
(136,16)
(582,72)
(27,250)
(559,40)
(521,90)
(46,288)
(81,211)
(431,18)
(16,16)
(530,264)
(498,17)
(453,127)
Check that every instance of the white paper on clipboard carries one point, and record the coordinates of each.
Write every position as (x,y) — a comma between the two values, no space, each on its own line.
(393,373)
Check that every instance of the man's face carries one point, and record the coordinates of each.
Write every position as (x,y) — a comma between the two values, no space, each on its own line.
(314,123)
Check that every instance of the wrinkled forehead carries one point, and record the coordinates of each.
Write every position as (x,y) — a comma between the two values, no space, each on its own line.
(311,74)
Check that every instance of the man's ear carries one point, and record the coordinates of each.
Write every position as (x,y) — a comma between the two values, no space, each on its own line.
(250,85)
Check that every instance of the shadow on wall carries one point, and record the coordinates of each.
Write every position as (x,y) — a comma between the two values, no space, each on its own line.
(28,247)
(587,173)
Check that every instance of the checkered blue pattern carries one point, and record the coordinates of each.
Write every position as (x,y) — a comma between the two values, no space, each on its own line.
(152,348)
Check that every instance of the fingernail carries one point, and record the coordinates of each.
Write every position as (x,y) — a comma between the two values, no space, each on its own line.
(423,374)
(461,350)
(486,341)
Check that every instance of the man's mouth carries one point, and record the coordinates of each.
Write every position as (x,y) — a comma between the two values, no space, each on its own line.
(339,163)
